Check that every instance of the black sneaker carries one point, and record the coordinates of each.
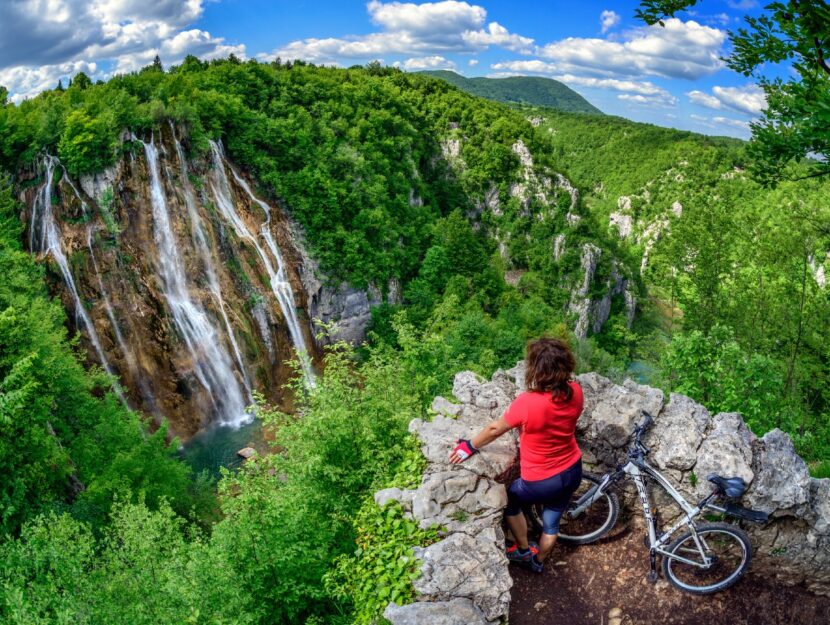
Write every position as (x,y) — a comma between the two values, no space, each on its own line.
(535,565)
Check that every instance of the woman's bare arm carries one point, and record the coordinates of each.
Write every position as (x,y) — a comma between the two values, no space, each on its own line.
(487,435)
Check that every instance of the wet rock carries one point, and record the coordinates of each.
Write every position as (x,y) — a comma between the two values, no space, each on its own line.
(246,452)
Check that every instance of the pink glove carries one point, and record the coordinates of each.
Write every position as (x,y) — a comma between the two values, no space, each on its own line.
(463,450)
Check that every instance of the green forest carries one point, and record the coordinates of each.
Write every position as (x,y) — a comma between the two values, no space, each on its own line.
(102,522)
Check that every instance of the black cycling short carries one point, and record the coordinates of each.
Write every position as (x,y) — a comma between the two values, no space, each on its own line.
(554,493)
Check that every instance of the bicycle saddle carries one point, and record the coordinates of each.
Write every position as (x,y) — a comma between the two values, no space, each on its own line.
(729,486)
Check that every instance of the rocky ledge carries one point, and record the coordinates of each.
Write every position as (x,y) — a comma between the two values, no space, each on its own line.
(465,578)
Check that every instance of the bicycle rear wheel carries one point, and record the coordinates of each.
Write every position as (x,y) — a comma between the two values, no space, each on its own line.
(727,546)
(592,524)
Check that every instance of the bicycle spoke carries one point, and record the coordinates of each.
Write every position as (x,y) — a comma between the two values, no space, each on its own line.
(726,555)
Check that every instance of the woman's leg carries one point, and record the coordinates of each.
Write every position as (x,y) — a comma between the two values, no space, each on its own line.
(550,531)
(516,496)
(518,525)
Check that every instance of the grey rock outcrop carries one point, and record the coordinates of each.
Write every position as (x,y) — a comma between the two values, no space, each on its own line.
(592,313)
(464,576)
(453,612)
(346,309)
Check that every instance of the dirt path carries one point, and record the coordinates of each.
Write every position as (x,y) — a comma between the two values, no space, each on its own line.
(581,585)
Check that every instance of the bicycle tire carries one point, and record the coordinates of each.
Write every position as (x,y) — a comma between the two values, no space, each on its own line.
(704,528)
(610,499)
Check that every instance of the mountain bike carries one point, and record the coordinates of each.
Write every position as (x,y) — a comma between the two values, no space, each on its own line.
(706,558)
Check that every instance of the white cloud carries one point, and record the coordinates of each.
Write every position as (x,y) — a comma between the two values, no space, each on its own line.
(472,62)
(31,80)
(44,40)
(723,124)
(407,28)
(678,50)
(426,62)
(608,19)
(535,66)
(749,99)
(662,100)
(498,35)
(172,51)
(727,121)
(742,4)
(430,19)
(704,99)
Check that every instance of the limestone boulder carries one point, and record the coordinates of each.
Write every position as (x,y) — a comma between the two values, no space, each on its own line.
(459,611)
(677,435)
(612,411)
(465,566)
(460,500)
(726,451)
(820,505)
(403,497)
(444,406)
(782,483)
(439,435)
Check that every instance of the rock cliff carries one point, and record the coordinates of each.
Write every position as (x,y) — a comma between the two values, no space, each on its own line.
(183,281)
(465,578)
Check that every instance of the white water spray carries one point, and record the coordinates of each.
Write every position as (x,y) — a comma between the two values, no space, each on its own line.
(50,243)
(211,363)
(280,285)
(197,232)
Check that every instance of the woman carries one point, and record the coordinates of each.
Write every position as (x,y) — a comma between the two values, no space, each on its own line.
(551,462)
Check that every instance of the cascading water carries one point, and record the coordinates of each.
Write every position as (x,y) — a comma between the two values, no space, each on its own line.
(199,236)
(280,285)
(211,363)
(50,243)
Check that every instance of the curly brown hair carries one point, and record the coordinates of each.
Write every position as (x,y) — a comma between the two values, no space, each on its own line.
(550,365)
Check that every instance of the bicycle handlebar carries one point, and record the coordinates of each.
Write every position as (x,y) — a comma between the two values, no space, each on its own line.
(640,429)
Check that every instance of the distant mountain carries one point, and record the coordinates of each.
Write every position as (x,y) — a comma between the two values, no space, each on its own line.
(521,90)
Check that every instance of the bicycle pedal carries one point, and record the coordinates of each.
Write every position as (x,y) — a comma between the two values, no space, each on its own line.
(651,577)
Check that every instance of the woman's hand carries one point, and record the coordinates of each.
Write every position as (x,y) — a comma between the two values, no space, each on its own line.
(462,450)
(465,448)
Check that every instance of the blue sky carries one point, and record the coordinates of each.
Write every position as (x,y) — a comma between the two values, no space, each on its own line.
(670,76)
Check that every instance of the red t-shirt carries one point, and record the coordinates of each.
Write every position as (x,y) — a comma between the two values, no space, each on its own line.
(547,441)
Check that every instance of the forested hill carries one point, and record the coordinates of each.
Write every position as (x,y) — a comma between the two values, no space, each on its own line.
(520,90)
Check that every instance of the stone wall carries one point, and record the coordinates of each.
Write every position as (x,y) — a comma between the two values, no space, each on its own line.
(465,578)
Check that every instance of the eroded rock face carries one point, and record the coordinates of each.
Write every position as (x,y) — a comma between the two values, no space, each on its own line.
(343,308)
(465,578)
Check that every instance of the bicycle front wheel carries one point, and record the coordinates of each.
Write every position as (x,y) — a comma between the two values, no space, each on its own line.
(592,523)
(714,562)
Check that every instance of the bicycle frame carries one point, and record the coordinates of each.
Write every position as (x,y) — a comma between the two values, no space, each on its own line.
(636,468)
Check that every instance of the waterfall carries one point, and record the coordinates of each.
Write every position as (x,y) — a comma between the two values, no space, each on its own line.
(280,285)
(211,364)
(50,243)
(199,236)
